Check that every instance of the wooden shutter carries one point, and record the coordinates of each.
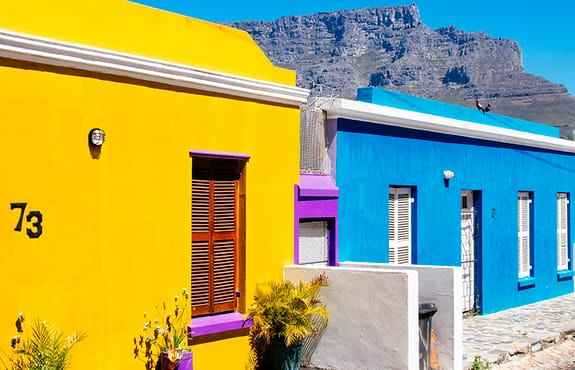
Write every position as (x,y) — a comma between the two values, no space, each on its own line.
(562,235)
(214,239)
(399,225)
(523,221)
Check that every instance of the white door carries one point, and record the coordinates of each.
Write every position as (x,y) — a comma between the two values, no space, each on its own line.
(468,250)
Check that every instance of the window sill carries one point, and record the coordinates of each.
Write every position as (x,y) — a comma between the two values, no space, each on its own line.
(565,275)
(527,282)
(215,324)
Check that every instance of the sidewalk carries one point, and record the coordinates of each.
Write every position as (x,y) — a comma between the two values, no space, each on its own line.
(500,336)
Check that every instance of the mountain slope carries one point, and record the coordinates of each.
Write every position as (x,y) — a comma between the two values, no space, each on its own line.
(334,53)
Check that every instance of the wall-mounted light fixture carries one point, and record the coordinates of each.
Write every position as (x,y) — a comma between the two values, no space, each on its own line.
(447,174)
(96,137)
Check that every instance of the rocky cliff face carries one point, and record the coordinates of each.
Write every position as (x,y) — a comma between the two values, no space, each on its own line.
(334,53)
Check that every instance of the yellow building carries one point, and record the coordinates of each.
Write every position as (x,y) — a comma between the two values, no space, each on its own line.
(94,235)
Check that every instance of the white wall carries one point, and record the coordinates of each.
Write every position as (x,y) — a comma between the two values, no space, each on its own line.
(442,286)
(374,317)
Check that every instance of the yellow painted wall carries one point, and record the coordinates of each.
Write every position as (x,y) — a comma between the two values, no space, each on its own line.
(124,26)
(116,230)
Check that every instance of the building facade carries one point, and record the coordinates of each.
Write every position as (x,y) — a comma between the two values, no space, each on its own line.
(427,183)
(97,230)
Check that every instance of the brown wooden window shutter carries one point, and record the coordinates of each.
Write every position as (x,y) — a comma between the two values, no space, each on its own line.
(214,236)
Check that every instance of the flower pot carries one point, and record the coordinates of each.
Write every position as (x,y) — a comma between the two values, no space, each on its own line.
(186,363)
(284,357)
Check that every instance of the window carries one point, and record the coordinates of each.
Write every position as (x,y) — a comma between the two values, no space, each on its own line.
(524,234)
(400,225)
(313,243)
(216,242)
(562,231)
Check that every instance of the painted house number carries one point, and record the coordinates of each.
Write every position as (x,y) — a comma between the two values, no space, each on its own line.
(33,217)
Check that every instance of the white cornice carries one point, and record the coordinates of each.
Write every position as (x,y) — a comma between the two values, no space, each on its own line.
(361,111)
(57,53)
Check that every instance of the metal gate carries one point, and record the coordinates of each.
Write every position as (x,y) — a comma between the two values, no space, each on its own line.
(468,257)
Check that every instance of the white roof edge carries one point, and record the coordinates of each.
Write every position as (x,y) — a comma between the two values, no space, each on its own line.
(36,49)
(351,109)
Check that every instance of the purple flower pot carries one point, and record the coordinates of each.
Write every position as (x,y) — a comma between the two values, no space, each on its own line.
(186,363)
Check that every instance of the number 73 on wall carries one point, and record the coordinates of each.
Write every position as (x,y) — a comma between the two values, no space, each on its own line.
(33,217)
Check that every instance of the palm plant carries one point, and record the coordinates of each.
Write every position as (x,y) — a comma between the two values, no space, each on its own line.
(284,311)
(44,348)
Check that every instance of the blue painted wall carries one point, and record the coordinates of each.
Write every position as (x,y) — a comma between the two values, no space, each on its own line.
(416,104)
(371,157)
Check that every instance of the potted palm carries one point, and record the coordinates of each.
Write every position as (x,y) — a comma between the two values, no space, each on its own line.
(161,343)
(283,315)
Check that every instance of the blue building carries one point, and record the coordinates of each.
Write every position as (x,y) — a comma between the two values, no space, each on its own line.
(423,182)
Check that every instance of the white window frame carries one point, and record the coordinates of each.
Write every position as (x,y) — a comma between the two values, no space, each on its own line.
(524,201)
(562,231)
(400,227)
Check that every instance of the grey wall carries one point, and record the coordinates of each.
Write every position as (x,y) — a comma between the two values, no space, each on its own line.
(374,317)
(441,286)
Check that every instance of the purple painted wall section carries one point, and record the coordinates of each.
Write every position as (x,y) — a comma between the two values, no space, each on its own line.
(222,155)
(317,186)
(316,198)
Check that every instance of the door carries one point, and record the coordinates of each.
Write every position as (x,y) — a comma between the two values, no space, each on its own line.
(468,258)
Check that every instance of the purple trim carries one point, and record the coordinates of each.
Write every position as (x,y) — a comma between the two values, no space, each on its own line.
(317,208)
(217,324)
(317,204)
(296,225)
(222,155)
(317,186)
(186,363)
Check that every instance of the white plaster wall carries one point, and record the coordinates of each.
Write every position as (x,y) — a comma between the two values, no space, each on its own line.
(440,285)
(374,318)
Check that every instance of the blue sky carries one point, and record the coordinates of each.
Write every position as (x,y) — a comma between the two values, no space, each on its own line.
(545,31)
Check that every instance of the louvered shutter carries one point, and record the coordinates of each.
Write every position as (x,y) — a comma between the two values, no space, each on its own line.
(214,239)
(562,235)
(399,225)
(524,263)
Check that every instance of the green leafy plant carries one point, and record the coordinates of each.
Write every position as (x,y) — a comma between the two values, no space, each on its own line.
(42,347)
(166,331)
(480,364)
(284,311)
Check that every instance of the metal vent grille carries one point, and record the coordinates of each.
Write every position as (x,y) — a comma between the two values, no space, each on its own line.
(313,150)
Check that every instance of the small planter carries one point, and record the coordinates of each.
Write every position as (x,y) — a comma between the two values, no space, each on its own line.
(186,363)
(284,357)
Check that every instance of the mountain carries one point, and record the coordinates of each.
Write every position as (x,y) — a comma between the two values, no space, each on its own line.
(334,53)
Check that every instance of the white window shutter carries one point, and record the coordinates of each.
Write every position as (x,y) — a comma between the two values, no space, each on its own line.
(523,222)
(562,233)
(400,225)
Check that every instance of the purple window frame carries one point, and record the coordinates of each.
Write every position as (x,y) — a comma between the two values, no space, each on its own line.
(221,322)
(316,199)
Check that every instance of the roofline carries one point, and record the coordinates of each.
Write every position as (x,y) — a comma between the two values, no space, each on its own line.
(355,110)
(52,52)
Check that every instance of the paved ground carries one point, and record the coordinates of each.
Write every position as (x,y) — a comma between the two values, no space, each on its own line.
(556,357)
(513,338)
